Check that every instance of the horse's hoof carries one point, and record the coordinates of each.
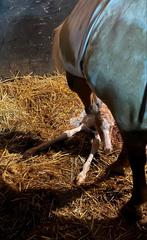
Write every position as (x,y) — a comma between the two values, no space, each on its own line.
(132,213)
(143,222)
(115,170)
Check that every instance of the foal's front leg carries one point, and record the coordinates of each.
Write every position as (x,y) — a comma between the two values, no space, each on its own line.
(82,175)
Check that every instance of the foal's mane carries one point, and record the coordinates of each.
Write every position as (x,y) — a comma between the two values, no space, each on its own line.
(56,54)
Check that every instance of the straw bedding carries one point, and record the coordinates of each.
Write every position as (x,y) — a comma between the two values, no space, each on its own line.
(38,197)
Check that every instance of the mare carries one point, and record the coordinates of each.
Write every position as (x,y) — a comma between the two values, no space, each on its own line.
(102,47)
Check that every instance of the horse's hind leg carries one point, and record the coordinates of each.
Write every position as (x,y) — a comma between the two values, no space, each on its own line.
(122,162)
(79,86)
(136,145)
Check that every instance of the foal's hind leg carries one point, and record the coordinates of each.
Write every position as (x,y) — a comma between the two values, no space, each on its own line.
(137,159)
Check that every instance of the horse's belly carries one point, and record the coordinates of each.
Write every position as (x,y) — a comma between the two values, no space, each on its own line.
(115,63)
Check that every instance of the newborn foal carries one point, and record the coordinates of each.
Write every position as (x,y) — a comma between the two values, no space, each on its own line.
(99,118)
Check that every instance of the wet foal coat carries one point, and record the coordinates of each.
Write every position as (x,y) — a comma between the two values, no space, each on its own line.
(105,42)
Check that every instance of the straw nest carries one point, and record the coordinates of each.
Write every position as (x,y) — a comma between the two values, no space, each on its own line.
(38,198)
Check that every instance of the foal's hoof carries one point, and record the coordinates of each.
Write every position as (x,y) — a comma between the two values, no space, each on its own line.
(131,212)
(80,179)
(28,153)
(108,150)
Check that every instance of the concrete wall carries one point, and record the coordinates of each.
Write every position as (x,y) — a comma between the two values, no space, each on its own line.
(25,34)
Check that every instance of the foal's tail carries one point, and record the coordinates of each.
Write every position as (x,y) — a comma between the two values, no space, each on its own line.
(56,54)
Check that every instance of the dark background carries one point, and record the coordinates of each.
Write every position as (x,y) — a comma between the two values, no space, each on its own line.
(26,34)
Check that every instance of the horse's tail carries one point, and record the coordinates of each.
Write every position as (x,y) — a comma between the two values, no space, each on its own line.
(56,54)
